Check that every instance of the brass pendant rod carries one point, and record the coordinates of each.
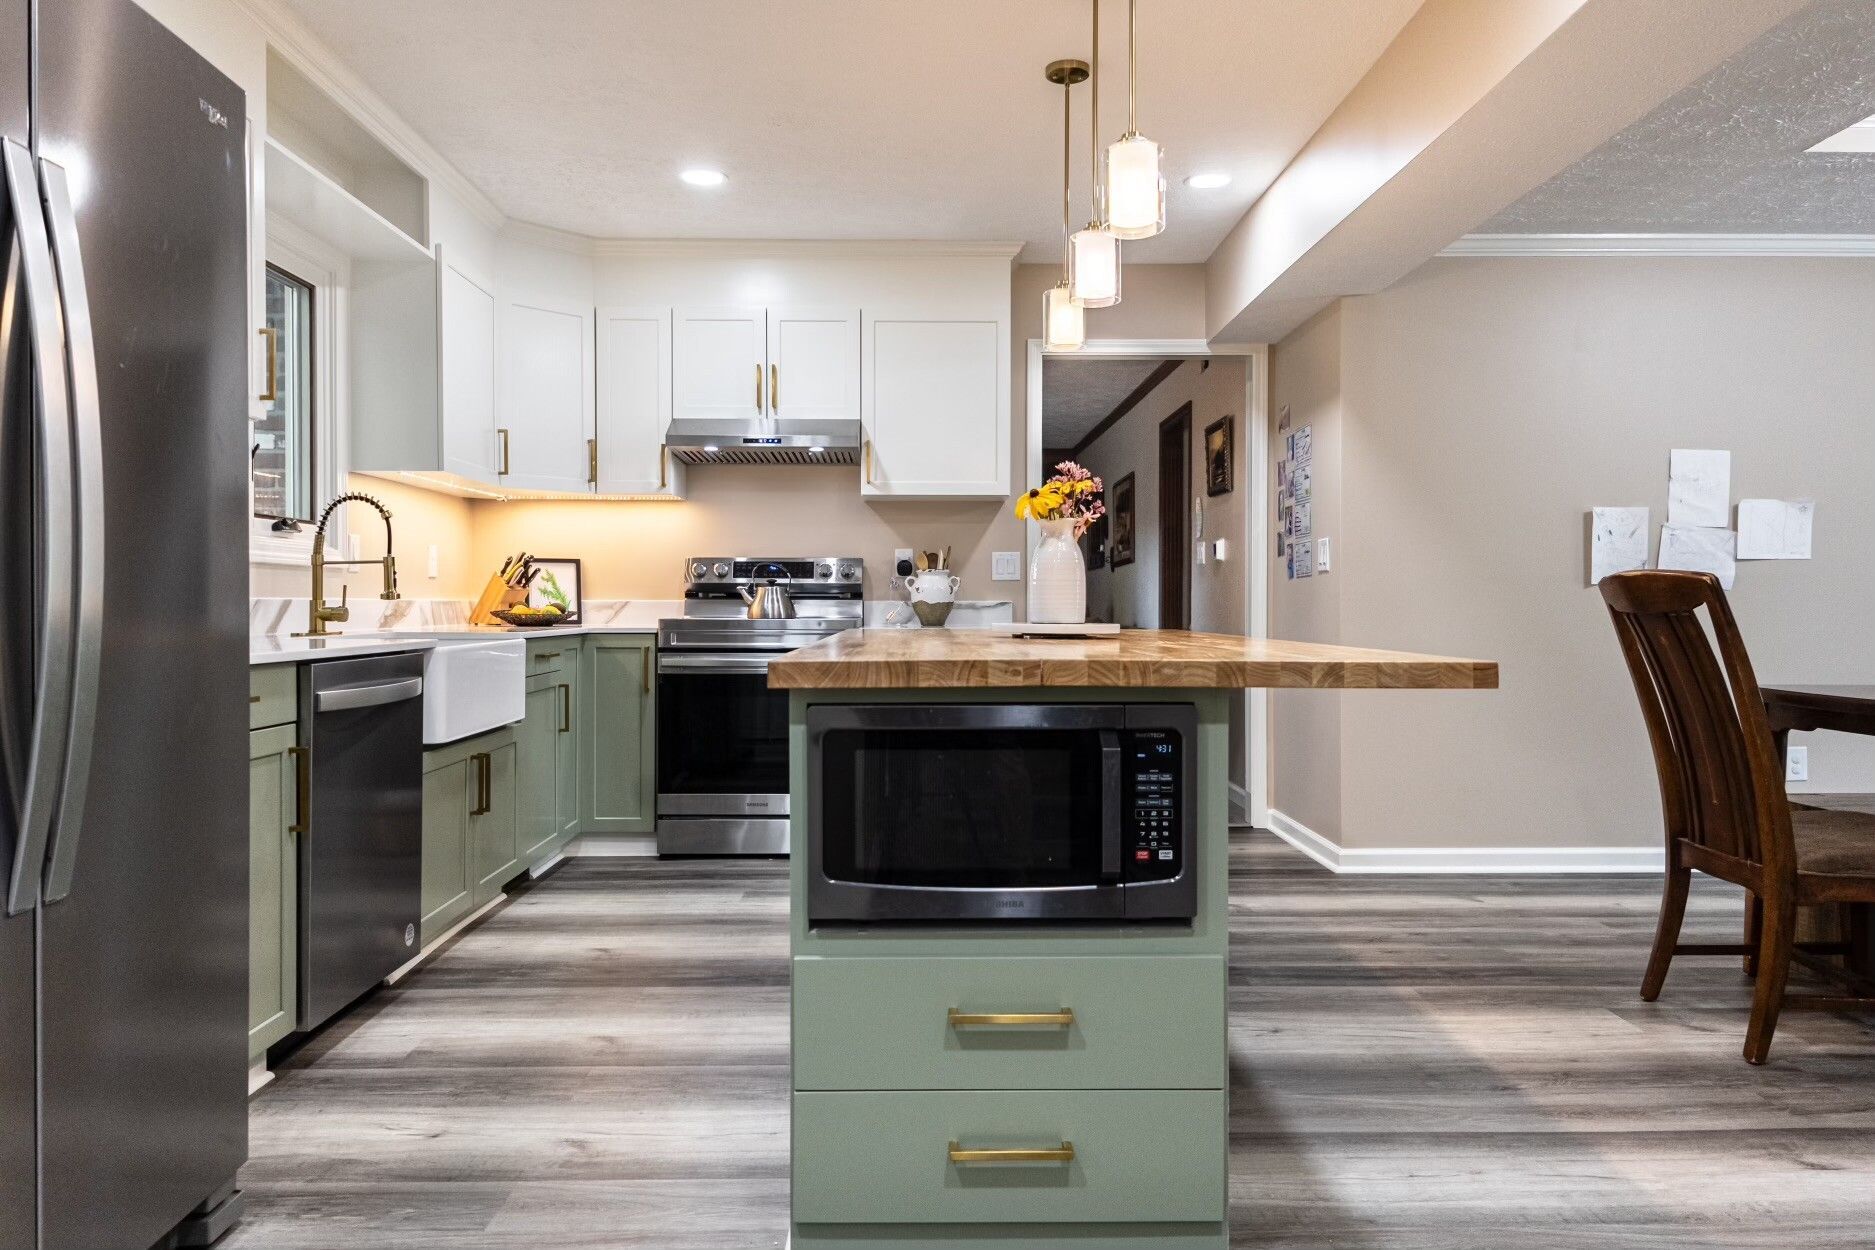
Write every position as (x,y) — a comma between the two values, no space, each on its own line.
(1132,67)
(1067,114)
(1093,126)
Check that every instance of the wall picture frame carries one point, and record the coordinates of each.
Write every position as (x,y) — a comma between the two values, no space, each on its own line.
(554,578)
(1220,456)
(1120,551)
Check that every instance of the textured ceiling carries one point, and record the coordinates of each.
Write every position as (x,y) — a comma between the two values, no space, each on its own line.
(1079,392)
(841,119)
(1727,155)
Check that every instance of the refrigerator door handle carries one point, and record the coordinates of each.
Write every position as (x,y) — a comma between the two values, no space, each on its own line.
(57,527)
(88,461)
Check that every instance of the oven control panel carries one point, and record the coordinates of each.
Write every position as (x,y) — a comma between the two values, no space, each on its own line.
(1153,845)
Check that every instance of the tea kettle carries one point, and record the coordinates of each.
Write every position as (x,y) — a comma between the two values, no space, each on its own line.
(770,602)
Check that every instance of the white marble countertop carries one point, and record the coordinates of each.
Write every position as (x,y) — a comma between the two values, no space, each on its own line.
(285,649)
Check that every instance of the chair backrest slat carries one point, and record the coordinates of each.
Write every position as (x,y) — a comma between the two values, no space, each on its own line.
(1720,785)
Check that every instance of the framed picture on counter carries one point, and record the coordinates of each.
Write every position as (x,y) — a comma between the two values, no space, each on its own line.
(556,582)
(1120,548)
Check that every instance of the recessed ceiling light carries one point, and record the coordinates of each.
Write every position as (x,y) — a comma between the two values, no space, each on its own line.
(1208,181)
(703,177)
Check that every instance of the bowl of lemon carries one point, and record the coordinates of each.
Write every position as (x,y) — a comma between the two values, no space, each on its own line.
(531,617)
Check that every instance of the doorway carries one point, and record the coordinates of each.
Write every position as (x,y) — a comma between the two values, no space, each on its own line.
(1175,519)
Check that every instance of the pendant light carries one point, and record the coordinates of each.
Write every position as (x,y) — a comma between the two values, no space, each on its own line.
(1063,327)
(1135,179)
(1094,251)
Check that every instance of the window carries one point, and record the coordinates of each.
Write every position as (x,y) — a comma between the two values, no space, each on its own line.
(284,438)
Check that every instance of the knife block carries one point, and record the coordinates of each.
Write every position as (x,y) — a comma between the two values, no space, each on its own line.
(496,596)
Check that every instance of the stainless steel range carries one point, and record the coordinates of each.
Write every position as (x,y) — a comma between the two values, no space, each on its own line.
(722,733)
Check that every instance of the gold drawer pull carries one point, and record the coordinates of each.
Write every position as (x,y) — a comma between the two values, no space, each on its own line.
(1012,1019)
(1064,1153)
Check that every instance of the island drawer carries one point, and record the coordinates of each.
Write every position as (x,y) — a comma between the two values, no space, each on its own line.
(1131,1155)
(272,695)
(1098,1022)
(550,655)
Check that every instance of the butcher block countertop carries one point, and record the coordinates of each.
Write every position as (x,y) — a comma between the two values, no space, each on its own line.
(914,659)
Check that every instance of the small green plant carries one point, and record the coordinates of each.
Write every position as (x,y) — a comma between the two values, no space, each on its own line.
(550,592)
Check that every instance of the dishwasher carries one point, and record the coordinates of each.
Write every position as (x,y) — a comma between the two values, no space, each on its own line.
(361,848)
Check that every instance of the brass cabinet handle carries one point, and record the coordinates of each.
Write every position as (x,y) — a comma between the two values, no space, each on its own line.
(758,386)
(644,670)
(302,789)
(866,443)
(664,456)
(546,655)
(503,434)
(566,708)
(592,462)
(1064,1153)
(273,363)
(484,803)
(1063,1018)
(774,389)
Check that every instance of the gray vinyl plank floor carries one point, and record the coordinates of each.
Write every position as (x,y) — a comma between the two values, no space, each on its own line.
(1421,1063)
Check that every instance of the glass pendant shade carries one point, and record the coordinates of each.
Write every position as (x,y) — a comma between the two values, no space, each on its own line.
(1135,187)
(1063,327)
(1094,267)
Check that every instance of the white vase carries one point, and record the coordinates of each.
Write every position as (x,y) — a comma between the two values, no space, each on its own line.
(1057,577)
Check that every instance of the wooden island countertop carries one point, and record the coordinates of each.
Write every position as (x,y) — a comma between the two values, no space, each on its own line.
(913,659)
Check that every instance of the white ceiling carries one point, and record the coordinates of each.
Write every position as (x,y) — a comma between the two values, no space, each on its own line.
(1079,392)
(837,119)
(1729,153)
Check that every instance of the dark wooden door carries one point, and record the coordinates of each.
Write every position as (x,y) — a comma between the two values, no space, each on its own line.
(1175,520)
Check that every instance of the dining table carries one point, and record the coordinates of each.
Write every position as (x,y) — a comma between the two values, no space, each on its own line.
(1842,709)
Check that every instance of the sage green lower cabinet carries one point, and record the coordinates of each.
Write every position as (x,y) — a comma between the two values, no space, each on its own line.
(1138,1156)
(537,740)
(617,775)
(875,1024)
(273,886)
(470,830)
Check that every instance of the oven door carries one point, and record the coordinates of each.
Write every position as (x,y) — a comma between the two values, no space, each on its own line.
(722,736)
(941,812)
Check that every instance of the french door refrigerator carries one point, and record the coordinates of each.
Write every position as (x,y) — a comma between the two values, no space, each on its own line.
(123,438)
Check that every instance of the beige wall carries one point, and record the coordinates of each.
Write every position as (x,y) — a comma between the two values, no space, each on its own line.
(1485,406)
(1305,725)
(1130,594)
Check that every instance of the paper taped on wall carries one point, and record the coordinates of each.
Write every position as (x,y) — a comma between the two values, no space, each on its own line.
(1617,541)
(1775,529)
(1699,488)
(1700,549)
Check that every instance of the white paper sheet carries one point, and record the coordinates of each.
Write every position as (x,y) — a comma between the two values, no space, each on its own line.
(1302,519)
(1775,529)
(1699,488)
(1302,559)
(1617,541)
(1701,550)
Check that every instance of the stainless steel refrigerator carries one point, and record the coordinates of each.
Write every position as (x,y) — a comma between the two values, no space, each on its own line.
(123,581)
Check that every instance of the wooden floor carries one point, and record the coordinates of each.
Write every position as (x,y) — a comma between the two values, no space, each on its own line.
(1438,1063)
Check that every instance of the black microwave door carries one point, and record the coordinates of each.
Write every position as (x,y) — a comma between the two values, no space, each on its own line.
(944,813)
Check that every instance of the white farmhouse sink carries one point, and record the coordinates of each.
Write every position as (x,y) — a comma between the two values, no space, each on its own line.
(471,686)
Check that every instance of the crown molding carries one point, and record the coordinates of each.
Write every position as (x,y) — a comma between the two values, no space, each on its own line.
(771,248)
(534,235)
(1683,245)
(288,36)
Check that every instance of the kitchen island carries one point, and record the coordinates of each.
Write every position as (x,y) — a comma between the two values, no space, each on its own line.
(1009,929)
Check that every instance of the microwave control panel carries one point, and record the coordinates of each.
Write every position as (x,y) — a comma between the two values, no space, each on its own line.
(1153,847)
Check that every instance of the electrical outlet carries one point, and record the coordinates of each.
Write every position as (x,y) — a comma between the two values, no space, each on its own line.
(1005,566)
(1797,764)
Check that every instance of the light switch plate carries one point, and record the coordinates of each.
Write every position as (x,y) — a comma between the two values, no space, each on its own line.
(1797,764)
(1220,550)
(1202,550)
(1005,566)
(435,561)
(1322,554)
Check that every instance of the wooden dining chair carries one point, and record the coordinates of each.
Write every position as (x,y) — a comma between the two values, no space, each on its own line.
(1722,796)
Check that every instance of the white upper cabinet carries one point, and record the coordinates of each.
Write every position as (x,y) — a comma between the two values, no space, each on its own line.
(635,403)
(719,363)
(546,396)
(935,416)
(813,363)
(466,349)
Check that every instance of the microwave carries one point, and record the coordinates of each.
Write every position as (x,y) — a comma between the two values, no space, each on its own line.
(953,812)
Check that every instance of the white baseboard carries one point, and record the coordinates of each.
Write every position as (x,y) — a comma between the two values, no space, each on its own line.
(612,845)
(258,1077)
(423,955)
(1534,860)
(1240,806)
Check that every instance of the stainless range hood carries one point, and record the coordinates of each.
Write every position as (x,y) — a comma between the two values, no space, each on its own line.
(778,440)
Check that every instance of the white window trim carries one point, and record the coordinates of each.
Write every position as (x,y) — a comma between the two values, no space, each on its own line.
(329,272)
